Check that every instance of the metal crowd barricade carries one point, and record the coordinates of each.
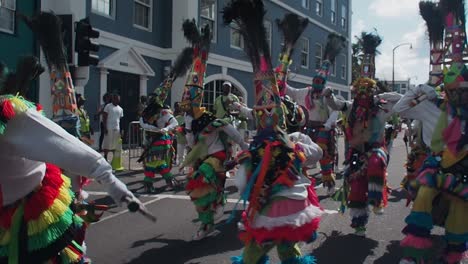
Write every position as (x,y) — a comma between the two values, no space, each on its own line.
(135,142)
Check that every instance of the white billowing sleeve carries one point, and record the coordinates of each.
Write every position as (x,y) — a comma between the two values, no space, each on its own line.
(148,127)
(235,136)
(425,111)
(337,104)
(247,112)
(311,150)
(34,137)
(168,118)
(405,106)
(331,121)
(296,94)
(188,127)
(391,99)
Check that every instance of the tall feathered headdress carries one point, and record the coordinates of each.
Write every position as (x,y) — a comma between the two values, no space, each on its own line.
(291,26)
(369,43)
(248,15)
(160,94)
(192,98)
(456,76)
(335,43)
(178,69)
(432,15)
(48,29)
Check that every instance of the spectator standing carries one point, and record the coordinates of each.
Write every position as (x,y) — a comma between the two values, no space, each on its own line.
(106,99)
(85,128)
(111,118)
(180,135)
(223,102)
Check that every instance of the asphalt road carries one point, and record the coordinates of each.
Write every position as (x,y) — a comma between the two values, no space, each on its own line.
(123,237)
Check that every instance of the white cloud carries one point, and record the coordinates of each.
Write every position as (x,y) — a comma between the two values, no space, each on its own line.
(394,8)
(409,63)
(358,27)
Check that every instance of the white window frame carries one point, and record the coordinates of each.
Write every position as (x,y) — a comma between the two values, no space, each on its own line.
(333,69)
(112,4)
(305,52)
(233,29)
(344,70)
(333,15)
(150,15)
(305,4)
(344,17)
(318,46)
(317,4)
(214,29)
(268,28)
(13,9)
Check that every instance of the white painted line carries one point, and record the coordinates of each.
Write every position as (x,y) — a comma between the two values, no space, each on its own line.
(125,211)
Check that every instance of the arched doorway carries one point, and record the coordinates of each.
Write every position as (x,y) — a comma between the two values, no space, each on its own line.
(213,89)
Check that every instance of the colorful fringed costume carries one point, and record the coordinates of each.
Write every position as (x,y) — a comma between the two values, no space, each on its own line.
(442,181)
(158,122)
(37,223)
(365,177)
(283,208)
(322,120)
(206,135)
(408,106)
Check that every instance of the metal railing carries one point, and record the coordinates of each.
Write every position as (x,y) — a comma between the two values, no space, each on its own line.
(135,142)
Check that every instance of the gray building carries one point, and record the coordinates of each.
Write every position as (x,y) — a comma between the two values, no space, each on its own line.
(140,39)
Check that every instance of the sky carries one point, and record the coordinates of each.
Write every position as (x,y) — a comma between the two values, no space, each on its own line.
(396,21)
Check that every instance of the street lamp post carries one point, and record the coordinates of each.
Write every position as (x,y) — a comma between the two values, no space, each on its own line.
(393,62)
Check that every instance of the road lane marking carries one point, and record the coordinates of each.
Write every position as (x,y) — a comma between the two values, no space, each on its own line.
(126,211)
(161,196)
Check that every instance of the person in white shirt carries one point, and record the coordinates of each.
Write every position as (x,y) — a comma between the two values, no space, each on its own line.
(112,115)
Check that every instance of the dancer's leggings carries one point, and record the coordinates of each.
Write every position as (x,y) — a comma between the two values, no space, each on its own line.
(417,243)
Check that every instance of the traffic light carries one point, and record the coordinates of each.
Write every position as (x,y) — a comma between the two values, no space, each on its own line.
(84,44)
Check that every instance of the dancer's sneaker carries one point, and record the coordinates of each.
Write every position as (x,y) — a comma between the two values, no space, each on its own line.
(149,188)
(240,226)
(360,231)
(407,261)
(331,190)
(378,210)
(219,212)
(203,232)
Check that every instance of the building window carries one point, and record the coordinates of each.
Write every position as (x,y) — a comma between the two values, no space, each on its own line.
(305,4)
(7,15)
(304,52)
(237,41)
(318,56)
(142,13)
(268,32)
(343,17)
(333,11)
(103,7)
(333,69)
(403,85)
(214,89)
(208,15)
(343,68)
(319,7)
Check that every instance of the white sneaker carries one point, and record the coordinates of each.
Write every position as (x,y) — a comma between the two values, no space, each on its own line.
(240,226)
(218,213)
(407,261)
(203,232)
(378,210)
